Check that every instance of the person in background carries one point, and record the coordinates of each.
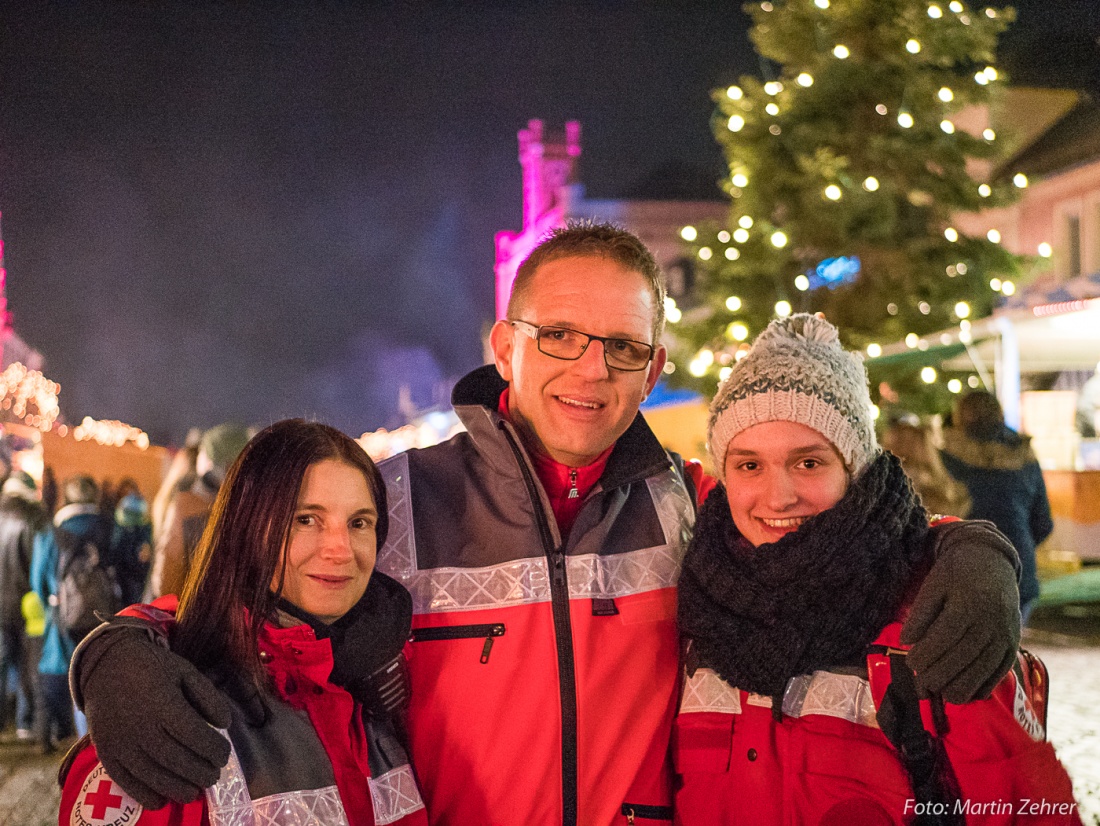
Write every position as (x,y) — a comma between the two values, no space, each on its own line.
(77,523)
(131,542)
(187,512)
(939,491)
(180,477)
(1004,480)
(21,517)
(799,705)
(284,611)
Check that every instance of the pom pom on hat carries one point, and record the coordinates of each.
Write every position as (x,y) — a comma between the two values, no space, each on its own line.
(797,371)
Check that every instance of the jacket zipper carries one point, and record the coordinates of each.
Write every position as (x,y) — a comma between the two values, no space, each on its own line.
(488,630)
(563,638)
(631,811)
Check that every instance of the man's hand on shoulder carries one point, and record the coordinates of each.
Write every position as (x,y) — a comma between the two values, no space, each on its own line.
(964,624)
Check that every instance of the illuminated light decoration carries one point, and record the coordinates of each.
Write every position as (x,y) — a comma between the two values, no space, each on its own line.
(924,307)
(673,315)
(705,253)
(30,396)
(947,126)
(912,46)
(952,271)
(1046,250)
(832,272)
(892,308)
(955,6)
(736,123)
(994,236)
(870,183)
(955,386)
(962,309)
(734,93)
(733,304)
(1020,180)
(738,331)
(964,325)
(801,283)
(964,334)
(935,12)
(689,233)
(961,268)
(782,308)
(951,234)
(773,88)
(945,339)
(723,237)
(724,373)
(990,73)
(1064,307)
(805,79)
(821,4)
(946,95)
(905,120)
(911,340)
(841,51)
(833,192)
(985,190)
(670,367)
(766,6)
(1008,288)
(741,235)
(772,109)
(874,350)
(991,14)
(995,284)
(989,135)
(701,363)
(881,108)
(774,130)
(922,345)
(779,239)
(740,180)
(972,381)
(875,411)
(981,79)
(745,222)
(109,432)
(732,253)
(964,19)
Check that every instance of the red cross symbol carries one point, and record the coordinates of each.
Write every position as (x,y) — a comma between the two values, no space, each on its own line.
(101,799)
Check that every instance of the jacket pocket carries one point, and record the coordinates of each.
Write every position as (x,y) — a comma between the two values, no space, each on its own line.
(633,812)
(489,631)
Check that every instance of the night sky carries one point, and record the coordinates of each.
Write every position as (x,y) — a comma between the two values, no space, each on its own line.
(246,211)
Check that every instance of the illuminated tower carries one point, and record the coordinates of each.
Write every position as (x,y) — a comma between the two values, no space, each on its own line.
(549,176)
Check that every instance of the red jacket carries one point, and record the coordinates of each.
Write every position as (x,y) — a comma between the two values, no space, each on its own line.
(544,669)
(284,760)
(827,762)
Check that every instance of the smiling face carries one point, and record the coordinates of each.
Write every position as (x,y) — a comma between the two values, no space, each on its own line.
(778,475)
(572,411)
(331,549)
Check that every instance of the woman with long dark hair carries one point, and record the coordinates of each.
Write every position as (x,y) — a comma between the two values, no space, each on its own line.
(283,609)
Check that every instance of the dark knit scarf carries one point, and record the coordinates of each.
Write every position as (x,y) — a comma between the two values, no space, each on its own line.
(813,600)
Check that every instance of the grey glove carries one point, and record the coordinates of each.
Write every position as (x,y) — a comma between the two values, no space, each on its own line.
(964,624)
(152,716)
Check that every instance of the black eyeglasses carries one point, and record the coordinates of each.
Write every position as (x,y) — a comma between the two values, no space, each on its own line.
(562,343)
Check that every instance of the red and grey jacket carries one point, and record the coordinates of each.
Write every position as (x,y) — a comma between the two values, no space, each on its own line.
(826,762)
(544,671)
(311,763)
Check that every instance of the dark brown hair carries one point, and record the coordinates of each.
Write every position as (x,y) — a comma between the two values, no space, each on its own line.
(980,416)
(227,596)
(586,238)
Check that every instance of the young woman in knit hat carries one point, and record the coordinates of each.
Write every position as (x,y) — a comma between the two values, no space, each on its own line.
(803,563)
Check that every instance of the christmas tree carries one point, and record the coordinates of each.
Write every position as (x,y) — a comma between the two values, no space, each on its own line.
(845,172)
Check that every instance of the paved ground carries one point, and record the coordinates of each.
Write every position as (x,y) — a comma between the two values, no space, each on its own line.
(1069,644)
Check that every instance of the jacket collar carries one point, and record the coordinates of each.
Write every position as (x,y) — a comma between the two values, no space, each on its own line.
(637,454)
(75,509)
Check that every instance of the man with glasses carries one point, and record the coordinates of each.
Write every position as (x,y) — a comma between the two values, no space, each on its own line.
(541,549)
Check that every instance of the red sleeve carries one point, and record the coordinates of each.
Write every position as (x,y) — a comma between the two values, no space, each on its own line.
(703,482)
(90,796)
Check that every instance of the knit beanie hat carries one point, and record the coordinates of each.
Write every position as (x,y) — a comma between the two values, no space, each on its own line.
(797,372)
(222,445)
(20,484)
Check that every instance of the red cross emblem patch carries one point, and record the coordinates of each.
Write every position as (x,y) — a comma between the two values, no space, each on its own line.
(102,802)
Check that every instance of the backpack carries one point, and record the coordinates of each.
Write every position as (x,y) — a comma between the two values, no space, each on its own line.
(87,587)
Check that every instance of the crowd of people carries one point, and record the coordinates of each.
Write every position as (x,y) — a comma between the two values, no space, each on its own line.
(551,619)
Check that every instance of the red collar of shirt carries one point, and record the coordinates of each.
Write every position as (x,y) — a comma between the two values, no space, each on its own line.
(560,480)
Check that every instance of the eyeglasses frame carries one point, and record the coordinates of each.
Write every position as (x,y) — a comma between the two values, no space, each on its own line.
(532,331)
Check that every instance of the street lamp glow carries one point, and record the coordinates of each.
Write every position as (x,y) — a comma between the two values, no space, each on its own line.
(928,375)
(782,308)
(779,239)
(689,233)
(733,304)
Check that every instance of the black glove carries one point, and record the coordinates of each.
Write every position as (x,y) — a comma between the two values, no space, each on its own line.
(367,645)
(964,624)
(152,717)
